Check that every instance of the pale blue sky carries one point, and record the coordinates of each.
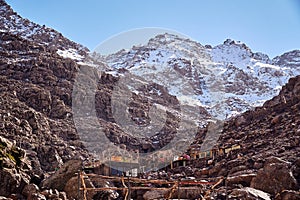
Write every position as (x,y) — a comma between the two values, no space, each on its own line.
(269,26)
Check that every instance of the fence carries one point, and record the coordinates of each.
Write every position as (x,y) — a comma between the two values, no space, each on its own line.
(129,185)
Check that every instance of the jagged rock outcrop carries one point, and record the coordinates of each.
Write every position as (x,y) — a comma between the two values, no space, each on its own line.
(35,109)
(13,168)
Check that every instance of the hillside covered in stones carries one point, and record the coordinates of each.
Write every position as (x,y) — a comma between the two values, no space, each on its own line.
(41,148)
(268,159)
(37,131)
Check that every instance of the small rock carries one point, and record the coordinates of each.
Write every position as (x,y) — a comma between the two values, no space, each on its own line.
(63,195)
(29,190)
(258,165)
(37,196)
(71,189)
(288,195)
(276,119)
(239,121)
(154,194)
(45,193)
(4,198)
(249,194)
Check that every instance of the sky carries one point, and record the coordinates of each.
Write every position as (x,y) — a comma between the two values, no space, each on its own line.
(268,26)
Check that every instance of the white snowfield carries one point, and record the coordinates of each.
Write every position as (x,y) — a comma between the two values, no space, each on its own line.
(70,53)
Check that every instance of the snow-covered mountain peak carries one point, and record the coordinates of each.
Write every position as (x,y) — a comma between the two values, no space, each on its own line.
(288,59)
(171,40)
(247,78)
(160,50)
(231,52)
(234,45)
(264,58)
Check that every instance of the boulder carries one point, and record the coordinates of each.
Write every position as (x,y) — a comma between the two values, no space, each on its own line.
(59,179)
(184,193)
(63,195)
(296,170)
(248,193)
(154,194)
(29,190)
(276,119)
(49,158)
(239,121)
(37,196)
(71,189)
(4,198)
(274,178)
(241,179)
(58,109)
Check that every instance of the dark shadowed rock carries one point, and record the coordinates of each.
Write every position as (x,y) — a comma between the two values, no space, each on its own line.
(71,188)
(288,195)
(12,175)
(29,190)
(49,158)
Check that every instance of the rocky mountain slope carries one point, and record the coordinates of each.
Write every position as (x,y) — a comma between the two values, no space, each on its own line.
(266,165)
(269,156)
(11,22)
(36,99)
(38,67)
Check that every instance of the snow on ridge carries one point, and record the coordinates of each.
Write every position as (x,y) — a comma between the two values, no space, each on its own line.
(70,53)
(14,24)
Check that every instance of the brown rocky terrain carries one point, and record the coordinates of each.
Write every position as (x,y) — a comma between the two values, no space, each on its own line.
(267,166)
(35,108)
(36,123)
(268,159)
(41,150)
